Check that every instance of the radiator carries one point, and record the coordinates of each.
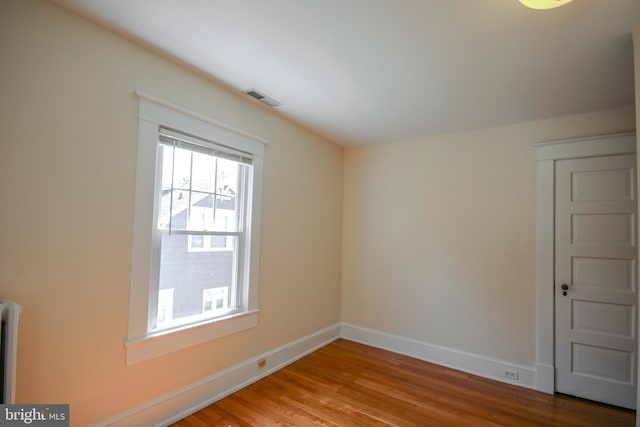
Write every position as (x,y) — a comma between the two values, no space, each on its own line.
(10,311)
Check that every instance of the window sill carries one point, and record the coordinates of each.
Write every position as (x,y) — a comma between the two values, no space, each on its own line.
(158,344)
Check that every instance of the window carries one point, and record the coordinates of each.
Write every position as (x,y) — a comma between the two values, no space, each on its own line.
(165,305)
(215,299)
(201,208)
(213,242)
(194,273)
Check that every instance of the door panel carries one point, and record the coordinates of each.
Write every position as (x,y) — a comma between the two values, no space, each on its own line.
(596,336)
(602,228)
(602,363)
(597,317)
(602,185)
(613,274)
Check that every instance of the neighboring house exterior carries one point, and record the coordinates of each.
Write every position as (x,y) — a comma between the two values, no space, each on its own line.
(197,270)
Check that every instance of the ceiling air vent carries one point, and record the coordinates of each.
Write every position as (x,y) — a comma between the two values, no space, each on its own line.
(262,98)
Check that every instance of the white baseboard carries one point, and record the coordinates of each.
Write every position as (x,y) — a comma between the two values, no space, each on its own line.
(174,406)
(179,404)
(463,361)
(545,378)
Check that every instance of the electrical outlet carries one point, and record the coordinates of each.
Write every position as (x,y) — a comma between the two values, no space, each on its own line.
(262,363)
(512,375)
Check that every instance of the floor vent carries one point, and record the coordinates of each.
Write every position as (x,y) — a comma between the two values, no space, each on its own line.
(262,98)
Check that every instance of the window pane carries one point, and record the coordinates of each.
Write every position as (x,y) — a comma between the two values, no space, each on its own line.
(226,213)
(167,166)
(205,191)
(227,176)
(227,172)
(218,241)
(203,173)
(177,206)
(165,305)
(201,212)
(190,273)
(215,299)
(197,242)
(182,168)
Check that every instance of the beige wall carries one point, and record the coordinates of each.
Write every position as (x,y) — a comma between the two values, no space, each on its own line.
(439,235)
(67,163)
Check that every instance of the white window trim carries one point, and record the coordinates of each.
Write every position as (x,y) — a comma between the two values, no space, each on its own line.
(152,113)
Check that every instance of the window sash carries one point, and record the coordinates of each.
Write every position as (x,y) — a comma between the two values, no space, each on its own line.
(239,279)
(245,175)
(237,294)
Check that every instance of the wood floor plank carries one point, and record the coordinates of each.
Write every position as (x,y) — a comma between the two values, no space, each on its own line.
(350,384)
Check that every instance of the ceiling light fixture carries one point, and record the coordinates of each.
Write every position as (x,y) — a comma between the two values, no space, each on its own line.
(544,4)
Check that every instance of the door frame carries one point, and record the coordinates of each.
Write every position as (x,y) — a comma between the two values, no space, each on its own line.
(547,153)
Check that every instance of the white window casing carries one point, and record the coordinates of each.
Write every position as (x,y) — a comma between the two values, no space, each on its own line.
(142,343)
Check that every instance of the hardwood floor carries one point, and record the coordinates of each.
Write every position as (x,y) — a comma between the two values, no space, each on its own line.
(350,384)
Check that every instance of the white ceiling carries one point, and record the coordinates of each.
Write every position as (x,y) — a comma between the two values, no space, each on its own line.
(371,71)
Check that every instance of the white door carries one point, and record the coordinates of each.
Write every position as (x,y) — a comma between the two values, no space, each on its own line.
(595,279)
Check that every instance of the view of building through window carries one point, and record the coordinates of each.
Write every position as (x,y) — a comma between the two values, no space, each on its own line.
(200,224)
(215,299)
